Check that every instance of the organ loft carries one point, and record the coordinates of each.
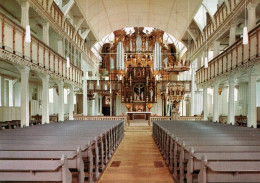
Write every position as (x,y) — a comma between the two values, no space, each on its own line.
(146,68)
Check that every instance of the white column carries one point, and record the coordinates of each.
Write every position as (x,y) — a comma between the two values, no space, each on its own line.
(3,91)
(71,102)
(232,34)
(25,96)
(184,108)
(7,102)
(61,100)
(45,99)
(100,105)
(192,99)
(25,13)
(205,103)
(251,10)
(231,101)
(215,103)
(45,35)
(251,121)
(85,95)
(97,104)
(216,48)
(111,104)
(93,104)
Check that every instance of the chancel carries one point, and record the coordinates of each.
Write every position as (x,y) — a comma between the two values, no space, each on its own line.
(129,91)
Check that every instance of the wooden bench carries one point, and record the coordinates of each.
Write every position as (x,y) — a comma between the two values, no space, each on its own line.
(95,142)
(74,158)
(194,163)
(35,170)
(175,139)
(229,171)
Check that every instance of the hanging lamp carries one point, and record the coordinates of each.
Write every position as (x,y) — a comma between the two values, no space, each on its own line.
(27,34)
(68,62)
(245,31)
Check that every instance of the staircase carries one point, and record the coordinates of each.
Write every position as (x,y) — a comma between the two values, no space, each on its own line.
(138,126)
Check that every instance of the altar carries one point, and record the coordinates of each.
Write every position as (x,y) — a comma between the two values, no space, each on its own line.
(138,115)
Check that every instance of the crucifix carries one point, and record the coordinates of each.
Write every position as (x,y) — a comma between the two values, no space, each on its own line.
(139,89)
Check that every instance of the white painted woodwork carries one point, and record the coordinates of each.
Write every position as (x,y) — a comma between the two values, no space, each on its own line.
(25,96)
(216,103)
(231,101)
(251,121)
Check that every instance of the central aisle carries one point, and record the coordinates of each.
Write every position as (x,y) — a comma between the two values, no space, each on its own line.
(137,160)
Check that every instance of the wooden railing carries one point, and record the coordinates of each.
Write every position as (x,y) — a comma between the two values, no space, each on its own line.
(236,56)
(191,118)
(122,118)
(57,20)
(222,21)
(104,85)
(35,54)
(165,118)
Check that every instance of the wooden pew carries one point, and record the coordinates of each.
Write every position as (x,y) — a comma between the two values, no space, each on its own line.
(175,138)
(67,136)
(74,158)
(194,163)
(35,170)
(229,171)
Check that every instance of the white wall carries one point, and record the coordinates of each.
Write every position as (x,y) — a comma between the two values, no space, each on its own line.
(241,104)
(10,113)
(54,107)
(157,108)
(198,102)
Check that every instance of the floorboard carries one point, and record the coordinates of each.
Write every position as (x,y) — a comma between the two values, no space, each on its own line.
(137,160)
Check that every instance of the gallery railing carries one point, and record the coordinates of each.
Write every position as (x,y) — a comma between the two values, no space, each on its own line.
(35,54)
(236,56)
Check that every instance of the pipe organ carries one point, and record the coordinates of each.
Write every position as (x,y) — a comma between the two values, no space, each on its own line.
(139,60)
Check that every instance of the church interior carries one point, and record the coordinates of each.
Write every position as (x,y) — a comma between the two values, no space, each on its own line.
(123,91)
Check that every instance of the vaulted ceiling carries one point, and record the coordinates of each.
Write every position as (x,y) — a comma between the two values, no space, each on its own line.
(172,16)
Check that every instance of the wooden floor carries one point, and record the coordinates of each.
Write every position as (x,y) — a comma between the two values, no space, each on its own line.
(137,160)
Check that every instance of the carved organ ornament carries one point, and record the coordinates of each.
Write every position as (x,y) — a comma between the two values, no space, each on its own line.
(137,60)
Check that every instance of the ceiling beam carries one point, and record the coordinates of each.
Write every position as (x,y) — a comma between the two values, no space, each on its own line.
(81,20)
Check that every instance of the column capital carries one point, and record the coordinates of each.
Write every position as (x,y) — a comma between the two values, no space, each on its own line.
(24,69)
(46,24)
(60,83)
(251,71)
(231,79)
(205,87)
(25,3)
(216,83)
(71,87)
(43,76)
(252,5)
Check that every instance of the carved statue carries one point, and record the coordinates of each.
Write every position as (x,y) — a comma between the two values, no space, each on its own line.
(151,94)
(175,113)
